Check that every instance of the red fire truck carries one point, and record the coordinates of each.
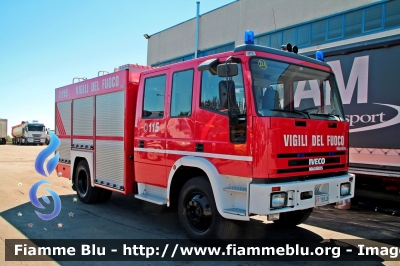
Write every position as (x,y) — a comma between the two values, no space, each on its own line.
(254,131)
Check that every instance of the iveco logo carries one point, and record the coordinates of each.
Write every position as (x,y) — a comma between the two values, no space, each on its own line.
(316,161)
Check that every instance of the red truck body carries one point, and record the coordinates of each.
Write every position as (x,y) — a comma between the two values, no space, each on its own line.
(162,134)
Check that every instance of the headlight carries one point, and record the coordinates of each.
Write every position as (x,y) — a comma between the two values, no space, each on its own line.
(344,189)
(278,200)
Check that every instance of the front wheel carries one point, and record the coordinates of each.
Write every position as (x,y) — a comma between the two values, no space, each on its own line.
(291,219)
(198,212)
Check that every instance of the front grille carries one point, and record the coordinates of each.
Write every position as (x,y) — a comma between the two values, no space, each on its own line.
(314,154)
(306,169)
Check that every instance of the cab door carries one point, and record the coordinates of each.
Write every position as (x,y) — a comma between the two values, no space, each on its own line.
(150,145)
(226,147)
(180,123)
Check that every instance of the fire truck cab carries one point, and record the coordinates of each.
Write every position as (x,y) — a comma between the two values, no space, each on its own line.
(254,131)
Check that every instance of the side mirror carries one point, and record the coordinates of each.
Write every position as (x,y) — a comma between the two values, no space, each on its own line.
(230,70)
(227,99)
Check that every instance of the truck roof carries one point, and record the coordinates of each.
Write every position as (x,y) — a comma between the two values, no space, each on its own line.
(116,81)
(111,82)
(278,55)
(253,47)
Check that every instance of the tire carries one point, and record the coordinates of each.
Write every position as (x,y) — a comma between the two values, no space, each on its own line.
(291,219)
(198,212)
(86,193)
(105,195)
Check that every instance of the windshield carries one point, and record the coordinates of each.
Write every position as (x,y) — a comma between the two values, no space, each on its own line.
(36,128)
(288,90)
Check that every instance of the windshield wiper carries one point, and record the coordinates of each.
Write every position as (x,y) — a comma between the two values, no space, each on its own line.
(292,111)
(330,115)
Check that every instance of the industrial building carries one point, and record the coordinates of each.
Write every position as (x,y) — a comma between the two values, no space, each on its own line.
(310,24)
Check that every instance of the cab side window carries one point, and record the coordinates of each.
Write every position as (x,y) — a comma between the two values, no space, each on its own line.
(210,92)
(209,98)
(154,95)
(182,90)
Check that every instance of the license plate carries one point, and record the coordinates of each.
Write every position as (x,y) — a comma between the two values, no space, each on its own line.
(273,217)
(321,200)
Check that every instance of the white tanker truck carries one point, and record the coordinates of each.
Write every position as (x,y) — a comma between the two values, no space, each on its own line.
(29,132)
(3,131)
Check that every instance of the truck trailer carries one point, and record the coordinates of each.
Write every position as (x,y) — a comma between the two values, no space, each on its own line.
(3,131)
(254,131)
(369,85)
(29,132)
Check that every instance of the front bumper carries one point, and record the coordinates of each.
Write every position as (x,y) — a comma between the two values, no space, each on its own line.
(325,189)
(36,140)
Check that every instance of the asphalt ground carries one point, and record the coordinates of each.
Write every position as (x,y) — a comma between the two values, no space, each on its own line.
(124,217)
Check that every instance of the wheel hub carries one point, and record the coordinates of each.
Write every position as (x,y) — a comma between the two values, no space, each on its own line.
(198,212)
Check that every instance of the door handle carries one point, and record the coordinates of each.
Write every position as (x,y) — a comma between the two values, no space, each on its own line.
(141,143)
(199,147)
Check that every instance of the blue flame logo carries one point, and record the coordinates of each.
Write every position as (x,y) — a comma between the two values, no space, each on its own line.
(36,203)
(51,165)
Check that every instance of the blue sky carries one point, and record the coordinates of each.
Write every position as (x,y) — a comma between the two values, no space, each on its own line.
(45,44)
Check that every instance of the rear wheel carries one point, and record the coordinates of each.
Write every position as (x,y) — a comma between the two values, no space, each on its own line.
(198,212)
(291,219)
(86,193)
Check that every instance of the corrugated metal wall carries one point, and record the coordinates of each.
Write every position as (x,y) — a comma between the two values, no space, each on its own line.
(110,148)
(83,117)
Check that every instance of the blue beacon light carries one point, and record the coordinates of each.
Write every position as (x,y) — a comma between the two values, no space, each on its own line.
(319,55)
(249,37)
